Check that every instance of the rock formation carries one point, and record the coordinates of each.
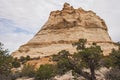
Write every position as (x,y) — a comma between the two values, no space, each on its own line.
(65,27)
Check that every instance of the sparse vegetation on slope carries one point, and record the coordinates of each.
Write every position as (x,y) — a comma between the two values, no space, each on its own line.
(88,58)
(114,65)
(5,63)
(85,58)
(28,70)
(45,72)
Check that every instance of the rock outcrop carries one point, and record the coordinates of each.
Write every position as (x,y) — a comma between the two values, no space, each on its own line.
(64,28)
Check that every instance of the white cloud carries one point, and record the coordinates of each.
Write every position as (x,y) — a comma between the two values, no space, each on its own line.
(12,41)
(30,15)
(109,10)
(33,14)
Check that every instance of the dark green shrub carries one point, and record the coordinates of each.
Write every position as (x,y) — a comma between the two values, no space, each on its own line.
(62,66)
(5,63)
(45,72)
(106,62)
(114,63)
(28,70)
(16,64)
(115,57)
(22,59)
(28,58)
(62,59)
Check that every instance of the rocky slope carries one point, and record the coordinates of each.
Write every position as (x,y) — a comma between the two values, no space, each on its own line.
(65,27)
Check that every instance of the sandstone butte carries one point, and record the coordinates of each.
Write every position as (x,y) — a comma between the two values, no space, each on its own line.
(65,27)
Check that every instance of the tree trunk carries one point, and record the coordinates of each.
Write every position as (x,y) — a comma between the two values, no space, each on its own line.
(79,71)
(92,70)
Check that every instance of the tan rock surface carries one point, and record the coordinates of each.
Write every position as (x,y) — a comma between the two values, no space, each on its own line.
(37,63)
(65,27)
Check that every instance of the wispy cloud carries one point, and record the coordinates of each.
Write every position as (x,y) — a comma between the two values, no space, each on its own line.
(12,35)
(13,40)
(109,10)
(8,26)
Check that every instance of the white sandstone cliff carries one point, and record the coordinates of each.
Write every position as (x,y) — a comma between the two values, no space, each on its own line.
(64,28)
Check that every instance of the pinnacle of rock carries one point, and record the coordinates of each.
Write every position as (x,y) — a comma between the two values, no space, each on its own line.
(70,17)
(64,28)
(67,7)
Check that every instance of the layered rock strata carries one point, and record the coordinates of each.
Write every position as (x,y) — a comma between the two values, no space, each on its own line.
(65,27)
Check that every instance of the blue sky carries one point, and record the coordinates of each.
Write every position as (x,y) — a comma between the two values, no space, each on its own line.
(21,19)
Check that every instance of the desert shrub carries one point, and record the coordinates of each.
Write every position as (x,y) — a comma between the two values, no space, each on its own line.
(28,70)
(5,63)
(62,66)
(114,60)
(106,62)
(16,64)
(28,58)
(62,59)
(115,57)
(5,77)
(16,75)
(45,72)
(22,59)
(113,74)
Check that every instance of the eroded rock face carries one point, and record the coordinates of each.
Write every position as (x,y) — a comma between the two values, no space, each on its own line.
(64,28)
